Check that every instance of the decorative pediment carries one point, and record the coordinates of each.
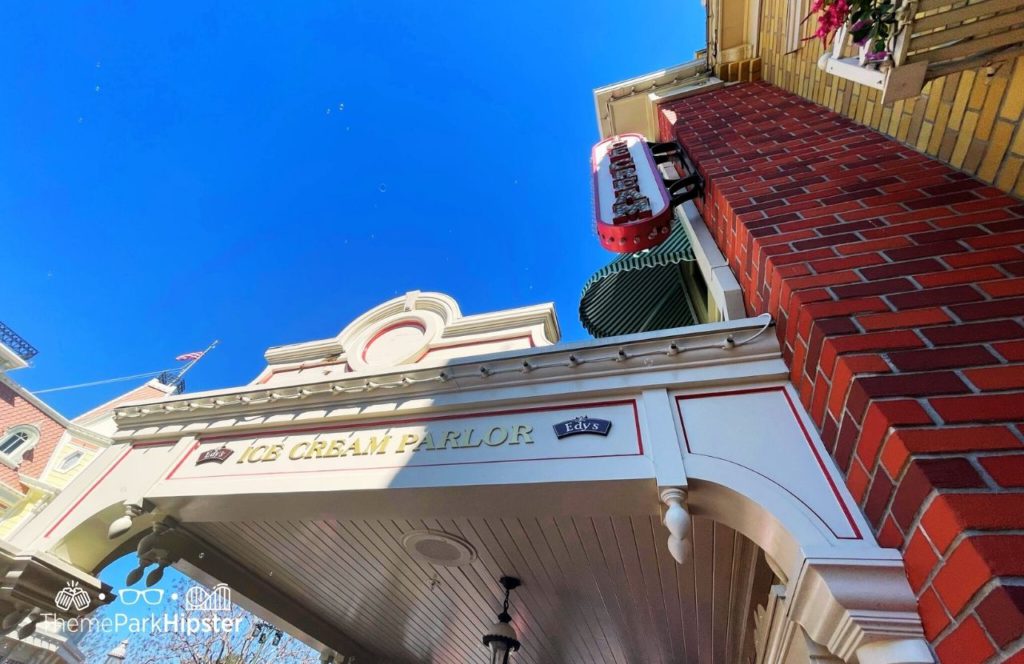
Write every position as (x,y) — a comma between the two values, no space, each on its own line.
(417,328)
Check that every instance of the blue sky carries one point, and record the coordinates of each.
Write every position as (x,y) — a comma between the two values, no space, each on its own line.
(262,173)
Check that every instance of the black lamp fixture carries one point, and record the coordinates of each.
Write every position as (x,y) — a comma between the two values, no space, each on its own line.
(501,638)
(261,631)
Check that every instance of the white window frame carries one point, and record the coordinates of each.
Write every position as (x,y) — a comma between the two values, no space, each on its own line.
(75,455)
(796,10)
(32,439)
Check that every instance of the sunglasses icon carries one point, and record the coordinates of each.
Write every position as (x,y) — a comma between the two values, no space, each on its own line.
(151,596)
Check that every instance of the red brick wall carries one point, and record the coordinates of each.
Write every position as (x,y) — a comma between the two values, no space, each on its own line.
(898,287)
(16,410)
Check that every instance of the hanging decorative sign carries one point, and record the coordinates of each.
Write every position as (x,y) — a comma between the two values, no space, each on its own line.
(632,207)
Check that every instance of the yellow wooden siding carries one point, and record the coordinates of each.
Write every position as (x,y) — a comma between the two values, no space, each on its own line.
(59,479)
(20,511)
(743,70)
(15,514)
(971,120)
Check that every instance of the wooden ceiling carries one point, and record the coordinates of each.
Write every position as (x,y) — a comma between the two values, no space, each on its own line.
(595,590)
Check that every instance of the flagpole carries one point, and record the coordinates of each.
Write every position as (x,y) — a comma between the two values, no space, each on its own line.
(192,363)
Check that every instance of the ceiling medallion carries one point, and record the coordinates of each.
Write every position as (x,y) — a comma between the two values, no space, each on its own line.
(438,548)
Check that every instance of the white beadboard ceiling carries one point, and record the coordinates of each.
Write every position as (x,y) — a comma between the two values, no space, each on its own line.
(595,590)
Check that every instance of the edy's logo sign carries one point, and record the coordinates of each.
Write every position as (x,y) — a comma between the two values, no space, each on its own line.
(582,424)
(218,455)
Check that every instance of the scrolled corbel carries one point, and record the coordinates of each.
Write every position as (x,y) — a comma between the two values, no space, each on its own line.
(35,616)
(13,619)
(152,549)
(677,521)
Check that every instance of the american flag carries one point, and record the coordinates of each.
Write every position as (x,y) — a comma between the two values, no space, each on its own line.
(190,357)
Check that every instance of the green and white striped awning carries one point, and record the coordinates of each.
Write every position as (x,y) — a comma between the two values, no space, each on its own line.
(640,292)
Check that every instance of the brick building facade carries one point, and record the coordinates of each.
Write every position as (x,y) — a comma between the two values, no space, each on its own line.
(887,242)
(41,452)
(897,284)
(47,450)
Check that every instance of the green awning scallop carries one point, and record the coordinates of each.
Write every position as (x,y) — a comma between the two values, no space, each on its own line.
(640,292)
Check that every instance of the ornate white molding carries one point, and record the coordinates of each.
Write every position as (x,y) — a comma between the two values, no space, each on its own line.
(309,350)
(439,309)
(38,484)
(9,495)
(860,606)
(719,344)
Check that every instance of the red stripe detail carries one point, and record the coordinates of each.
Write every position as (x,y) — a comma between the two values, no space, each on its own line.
(821,465)
(636,420)
(807,438)
(184,456)
(480,342)
(88,491)
(394,326)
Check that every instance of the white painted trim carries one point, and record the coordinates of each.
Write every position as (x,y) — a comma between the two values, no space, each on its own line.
(38,484)
(76,429)
(851,70)
(683,91)
(796,11)
(895,83)
(34,400)
(505,368)
(88,435)
(722,283)
(9,495)
(66,442)
(444,325)
(60,467)
(103,410)
(842,591)
(9,360)
(34,434)
(663,96)
(754,27)
(607,97)
(859,605)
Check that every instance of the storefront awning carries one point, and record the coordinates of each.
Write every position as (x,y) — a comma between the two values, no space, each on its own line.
(640,292)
